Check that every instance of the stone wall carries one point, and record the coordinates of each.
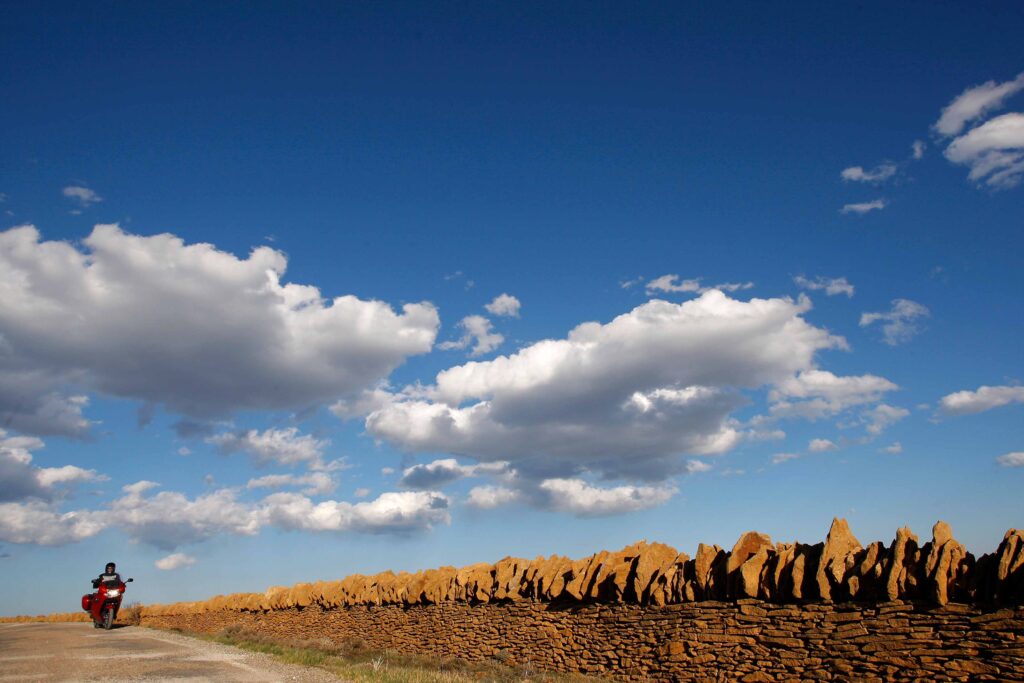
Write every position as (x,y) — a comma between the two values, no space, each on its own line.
(836,610)
(748,640)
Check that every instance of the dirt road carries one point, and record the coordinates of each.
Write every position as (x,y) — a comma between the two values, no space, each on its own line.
(78,652)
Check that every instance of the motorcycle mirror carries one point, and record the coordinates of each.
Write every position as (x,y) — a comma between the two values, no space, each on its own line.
(129,580)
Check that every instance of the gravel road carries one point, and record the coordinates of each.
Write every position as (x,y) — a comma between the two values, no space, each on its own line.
(78,652)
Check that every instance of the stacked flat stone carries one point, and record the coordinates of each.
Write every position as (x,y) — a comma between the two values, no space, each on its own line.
(838,570)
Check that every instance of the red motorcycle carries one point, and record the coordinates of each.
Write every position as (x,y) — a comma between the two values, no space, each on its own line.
(105,602)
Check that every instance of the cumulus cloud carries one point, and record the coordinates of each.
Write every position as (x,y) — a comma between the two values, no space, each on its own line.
(170,519)
(693,466)
(994,151)
(1015,459)
(174,561)
(878,174)
(864,207)
(504,304)
(982,399)
(316,483)
(831,285)
(881,417)
(41,523)
(814,394)
(974,103)
(895,448)
(362,492)
(780,458)
(399,512)
(582,499)
(281,446)
(673,284)
(81,195)
(20,479)
(917,150)
(184,326)
(477,330)
(440,473)
(900,323)
(622,399)
(821,446)
(489,497)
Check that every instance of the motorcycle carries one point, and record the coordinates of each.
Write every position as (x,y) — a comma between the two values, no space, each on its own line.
(104,604)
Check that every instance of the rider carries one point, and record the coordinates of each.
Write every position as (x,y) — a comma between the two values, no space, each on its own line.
(109,577)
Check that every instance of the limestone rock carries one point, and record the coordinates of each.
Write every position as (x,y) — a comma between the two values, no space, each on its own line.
(839,545)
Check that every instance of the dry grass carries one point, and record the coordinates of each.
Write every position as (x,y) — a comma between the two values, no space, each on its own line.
(130,614)
(353,660)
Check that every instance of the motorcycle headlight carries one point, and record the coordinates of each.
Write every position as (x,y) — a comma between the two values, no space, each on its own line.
(113,594)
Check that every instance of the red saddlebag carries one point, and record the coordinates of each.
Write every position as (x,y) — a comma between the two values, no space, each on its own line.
(87,602)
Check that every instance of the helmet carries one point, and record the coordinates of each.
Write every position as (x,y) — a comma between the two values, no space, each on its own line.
(110,567)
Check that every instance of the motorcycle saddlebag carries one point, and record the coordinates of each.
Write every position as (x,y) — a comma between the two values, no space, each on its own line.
(87,602)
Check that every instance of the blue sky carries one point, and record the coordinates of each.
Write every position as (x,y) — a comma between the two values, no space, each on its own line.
(252,262)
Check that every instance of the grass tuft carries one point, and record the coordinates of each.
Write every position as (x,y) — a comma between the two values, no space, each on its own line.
(353,660)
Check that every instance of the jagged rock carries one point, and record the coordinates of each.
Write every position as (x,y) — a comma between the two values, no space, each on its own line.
(705,562)
(1009,580)
(613,576)
(654,560)
(904,547)
(750,573)
(832,566)
(748,545)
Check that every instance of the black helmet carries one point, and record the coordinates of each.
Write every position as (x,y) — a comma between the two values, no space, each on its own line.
(110,567)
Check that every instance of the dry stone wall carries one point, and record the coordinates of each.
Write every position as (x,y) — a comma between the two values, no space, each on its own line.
(761,611)
(840,569)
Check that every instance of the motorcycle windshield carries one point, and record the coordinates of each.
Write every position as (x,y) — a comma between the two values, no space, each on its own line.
(111,584)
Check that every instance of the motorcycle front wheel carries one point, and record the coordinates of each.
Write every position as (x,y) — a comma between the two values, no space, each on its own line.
(108,618)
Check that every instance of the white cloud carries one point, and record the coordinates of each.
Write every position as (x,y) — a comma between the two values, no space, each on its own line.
(361,492)
(489,497)
(40,523)
(187,327)
(974,103)
(83,196)
(821,446)
(579,498)
(622,399)
(673,284)
(184,451)
(440,473)
(900,323)
(169,518)
(400,512)
(363,404)
(917,149)
(1015,459)
(504,304)
(476,330)
(20,479)
(881,417)
(281,446)
(831,285)
(980,400)
(316,483)
(895,448)
(387,471)
(878,174)
(994,151)
(694,466)
(814,394)
(780,458)
(174,561)
(864,207)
